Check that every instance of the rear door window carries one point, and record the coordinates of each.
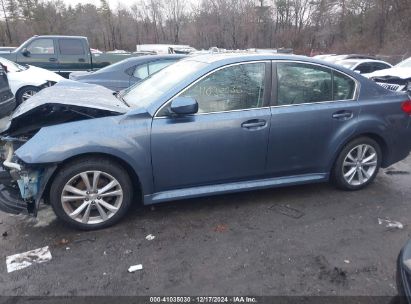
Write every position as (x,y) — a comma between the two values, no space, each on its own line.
(71,47)
(303,83)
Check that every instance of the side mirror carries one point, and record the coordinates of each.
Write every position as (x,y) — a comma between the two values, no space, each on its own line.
(25,52)
(184,106)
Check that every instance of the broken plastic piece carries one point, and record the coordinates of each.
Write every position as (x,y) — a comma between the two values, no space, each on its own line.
(135,268)
(26,259)
(150,237)
(390,223)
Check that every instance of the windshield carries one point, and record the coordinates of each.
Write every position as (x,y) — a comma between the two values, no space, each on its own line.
(12,66)
(147,91)
(405,64)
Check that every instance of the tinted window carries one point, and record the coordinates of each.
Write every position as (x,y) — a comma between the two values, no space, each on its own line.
(232,88)
(344,87)
(158,65)
(380,66)
(71,47)
(364,68)
(303,83)
(141,71)
(41,46)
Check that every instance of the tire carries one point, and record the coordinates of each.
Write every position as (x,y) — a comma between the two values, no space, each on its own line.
(349,166)
(93,199)
(22,93)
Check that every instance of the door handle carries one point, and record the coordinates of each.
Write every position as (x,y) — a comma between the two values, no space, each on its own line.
(52,59)
(343,115)
(81,60)
(253,124)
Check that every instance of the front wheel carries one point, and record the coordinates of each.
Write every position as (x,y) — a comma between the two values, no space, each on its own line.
(357,164)
(25,93)
(91,193)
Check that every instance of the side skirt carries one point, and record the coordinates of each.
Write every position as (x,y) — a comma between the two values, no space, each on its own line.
(199,191)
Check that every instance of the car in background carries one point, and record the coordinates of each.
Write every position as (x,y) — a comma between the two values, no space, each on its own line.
(7,49)
(27,80)
(125,73)
(397,78)
(364,66)
(403,275)
(165,48)
(335,58)
(62,54)
(205,125)
(7,100)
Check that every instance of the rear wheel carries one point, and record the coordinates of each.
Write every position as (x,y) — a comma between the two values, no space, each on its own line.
(357,165)
(91,193)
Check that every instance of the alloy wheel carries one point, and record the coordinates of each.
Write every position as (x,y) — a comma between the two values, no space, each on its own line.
(27,94)
(360,164)
(92,197)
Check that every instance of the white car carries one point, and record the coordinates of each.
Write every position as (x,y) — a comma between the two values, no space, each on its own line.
(364,66)
(398,78)
(27,80)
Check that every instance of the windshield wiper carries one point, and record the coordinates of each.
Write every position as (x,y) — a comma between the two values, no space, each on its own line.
(120,97)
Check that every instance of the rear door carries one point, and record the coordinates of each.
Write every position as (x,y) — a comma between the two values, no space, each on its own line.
(313,107)
(41,52)
(74,55)
(225,141)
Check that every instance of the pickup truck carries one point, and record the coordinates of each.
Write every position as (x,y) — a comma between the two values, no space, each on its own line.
(62,54)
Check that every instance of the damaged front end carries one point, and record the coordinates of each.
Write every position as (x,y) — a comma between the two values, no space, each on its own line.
(21,186)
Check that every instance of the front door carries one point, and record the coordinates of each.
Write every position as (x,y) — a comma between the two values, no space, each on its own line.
(225,141)
(41,52)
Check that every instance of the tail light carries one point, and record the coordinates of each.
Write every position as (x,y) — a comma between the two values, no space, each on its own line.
(406,107)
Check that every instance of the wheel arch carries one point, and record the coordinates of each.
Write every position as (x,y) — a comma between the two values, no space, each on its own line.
(379,139)
(135,180)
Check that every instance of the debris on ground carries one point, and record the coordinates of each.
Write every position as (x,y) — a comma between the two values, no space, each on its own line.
(347,261)
(135,268)
(397,172)
(221,228)
(92,239)
(4,234)
(67,248)
(22,260)
(128,251)
(390,224)
(288,211)
(150,237)
(63,241)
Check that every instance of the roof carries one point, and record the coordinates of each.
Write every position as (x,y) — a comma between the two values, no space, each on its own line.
(59,36)
(246,56)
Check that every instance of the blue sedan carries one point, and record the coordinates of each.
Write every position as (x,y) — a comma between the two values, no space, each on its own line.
(121,75)
(206,125)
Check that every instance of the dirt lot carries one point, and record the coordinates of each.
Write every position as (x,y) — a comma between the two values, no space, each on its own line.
(329,243)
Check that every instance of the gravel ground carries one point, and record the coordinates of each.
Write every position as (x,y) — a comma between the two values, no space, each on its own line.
(305,240)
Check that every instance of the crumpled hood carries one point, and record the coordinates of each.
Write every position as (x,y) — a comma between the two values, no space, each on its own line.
(403,73)
(68,92)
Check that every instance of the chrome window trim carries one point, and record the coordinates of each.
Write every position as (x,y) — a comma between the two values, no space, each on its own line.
(356,89)
(204,76)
